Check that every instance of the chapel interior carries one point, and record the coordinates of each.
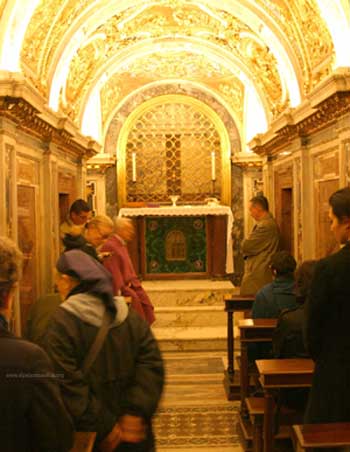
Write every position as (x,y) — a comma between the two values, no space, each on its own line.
(130,103)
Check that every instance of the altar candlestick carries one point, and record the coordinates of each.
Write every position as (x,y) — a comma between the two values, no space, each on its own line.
(133,156)
(213,177)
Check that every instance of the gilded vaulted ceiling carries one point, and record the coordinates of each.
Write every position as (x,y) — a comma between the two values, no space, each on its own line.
(132,44)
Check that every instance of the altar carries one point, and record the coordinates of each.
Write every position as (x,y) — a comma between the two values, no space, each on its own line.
(181,241)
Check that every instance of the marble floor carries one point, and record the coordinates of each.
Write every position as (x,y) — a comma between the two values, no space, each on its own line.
(194,415)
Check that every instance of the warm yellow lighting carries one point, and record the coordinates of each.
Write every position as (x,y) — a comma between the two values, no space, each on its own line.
(211,13)
(13,25)
(91,124)
(132,16)
(285,68)
(254,115)
(61,74)
(337,16)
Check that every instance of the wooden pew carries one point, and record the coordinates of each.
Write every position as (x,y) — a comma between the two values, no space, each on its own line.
(234,303)
(83,441)
(277,374)
(256,410)
(252,331)
(307,437)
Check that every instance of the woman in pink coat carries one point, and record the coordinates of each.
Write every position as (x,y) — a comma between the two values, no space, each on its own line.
(119,264)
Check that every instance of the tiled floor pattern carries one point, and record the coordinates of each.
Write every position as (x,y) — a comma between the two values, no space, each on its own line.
(194,415)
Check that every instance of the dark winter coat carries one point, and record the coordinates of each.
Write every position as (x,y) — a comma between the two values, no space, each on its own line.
(288,339)
(33,417)
(269,302)
(273,298)
(127,376)
(327,338)
(288,342)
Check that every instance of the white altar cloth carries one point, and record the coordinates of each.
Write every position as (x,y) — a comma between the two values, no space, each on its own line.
(180,211)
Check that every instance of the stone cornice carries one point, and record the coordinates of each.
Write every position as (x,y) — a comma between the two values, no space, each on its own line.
(100,162)
(247,160)
(21,103)
(327,103)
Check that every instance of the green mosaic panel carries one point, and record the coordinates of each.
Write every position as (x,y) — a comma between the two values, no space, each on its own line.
(193,228)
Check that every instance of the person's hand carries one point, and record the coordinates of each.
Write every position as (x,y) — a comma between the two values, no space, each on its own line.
(112,440)
(133,429)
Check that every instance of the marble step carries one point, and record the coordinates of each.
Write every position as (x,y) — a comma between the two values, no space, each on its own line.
(188,316)
(188,292)
(190,339)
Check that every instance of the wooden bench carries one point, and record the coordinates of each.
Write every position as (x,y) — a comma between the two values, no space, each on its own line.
(256,409)
(309,436)
(83,441)
(252,331)
(234,303)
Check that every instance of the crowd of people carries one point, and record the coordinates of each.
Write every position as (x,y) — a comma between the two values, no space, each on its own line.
(312,305)
(90,361)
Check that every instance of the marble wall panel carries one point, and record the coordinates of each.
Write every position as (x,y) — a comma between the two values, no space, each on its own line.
(238,223)
(111,192)
(28,244)
(9,188)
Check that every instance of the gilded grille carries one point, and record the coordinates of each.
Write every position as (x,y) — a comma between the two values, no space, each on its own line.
(172,145)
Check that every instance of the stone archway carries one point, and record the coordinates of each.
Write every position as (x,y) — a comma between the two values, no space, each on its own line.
(180,88)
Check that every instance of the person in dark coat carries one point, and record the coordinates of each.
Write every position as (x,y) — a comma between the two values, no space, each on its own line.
(327,337)
(119,394)
(39,316)
(288,340)
(273,298)
(33,416)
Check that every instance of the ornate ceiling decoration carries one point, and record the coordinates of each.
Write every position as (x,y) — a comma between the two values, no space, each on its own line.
(164,22)
(187,66)
(308,35)
(298,24)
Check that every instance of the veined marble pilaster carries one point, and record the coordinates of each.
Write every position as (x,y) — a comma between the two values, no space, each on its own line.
(51,216)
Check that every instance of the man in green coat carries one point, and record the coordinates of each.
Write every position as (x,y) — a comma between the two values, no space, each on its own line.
(262,243)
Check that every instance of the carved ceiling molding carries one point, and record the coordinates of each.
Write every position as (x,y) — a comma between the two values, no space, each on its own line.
(26,117)
(182,88)
(300,21)
(121,86)
(161,19)
(124,63)
(324,114)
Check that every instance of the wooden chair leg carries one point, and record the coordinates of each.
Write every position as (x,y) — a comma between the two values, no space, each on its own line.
(258,444)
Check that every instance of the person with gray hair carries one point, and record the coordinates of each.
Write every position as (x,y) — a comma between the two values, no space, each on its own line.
(119,264)
(33,417)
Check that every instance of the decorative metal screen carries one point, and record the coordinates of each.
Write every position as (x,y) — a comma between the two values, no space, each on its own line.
(173,149)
